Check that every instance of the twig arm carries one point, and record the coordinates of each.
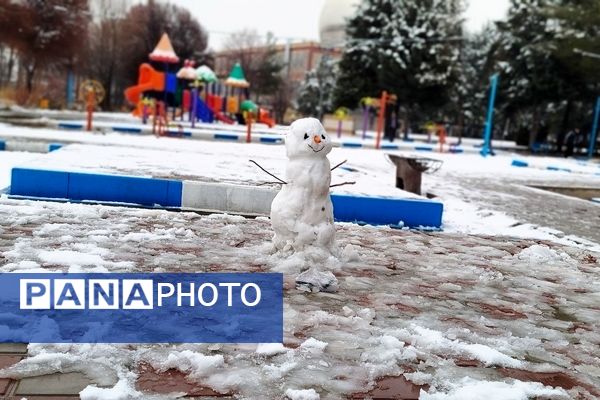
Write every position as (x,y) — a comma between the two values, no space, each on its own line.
(342,184)
(340,164)
(267,172)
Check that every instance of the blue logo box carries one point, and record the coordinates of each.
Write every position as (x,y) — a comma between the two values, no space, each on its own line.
(141,308)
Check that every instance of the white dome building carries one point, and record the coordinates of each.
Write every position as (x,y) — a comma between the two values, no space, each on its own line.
(332,23)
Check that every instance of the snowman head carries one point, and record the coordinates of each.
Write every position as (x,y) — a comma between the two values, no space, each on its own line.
(307,138)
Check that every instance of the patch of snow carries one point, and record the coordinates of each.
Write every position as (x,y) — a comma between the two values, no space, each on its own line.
(313,345)
(471,389)
(538,254)
(302,394)
(270,349)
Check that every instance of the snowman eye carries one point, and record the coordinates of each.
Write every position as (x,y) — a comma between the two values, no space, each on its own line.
(305,136)
(323,137)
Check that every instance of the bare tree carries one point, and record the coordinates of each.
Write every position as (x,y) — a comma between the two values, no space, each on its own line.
(144,25)
(45,33)
(258,57)
(248,48)
(104,61)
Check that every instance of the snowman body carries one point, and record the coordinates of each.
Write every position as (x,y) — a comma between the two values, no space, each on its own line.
(302,213)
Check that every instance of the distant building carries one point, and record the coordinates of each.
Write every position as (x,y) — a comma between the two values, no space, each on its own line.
(301,57)
(297,58)
(332,23)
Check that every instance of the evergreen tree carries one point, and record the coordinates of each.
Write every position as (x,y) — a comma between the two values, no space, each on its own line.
(576,25)
(476,63)
(533,77)
(407,47)
(315,95)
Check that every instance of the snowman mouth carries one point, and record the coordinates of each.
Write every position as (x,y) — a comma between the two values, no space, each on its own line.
(316,151)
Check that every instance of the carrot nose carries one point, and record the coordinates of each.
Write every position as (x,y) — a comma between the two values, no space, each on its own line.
(317,139)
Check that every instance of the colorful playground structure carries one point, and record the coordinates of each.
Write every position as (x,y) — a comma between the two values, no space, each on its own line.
(195,94)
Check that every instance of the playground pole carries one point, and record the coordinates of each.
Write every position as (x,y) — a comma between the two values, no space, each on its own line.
(487,138)
(154,119)
(194,106)
(249,128)
(381,119)
(90,109)
(594,132)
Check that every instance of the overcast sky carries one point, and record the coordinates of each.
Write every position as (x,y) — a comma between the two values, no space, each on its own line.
(295,19)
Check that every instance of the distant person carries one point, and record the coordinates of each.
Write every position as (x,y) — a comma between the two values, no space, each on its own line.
(560,141)
(542,134)
(571,140)
(391,122)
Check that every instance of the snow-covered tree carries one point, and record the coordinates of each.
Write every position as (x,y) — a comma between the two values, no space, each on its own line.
(315,95)
(469,94)
(45,33)
(576,24)
(407,47)
(533,77)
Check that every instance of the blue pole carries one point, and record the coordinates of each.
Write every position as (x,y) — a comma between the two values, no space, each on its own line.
(487,138)
(594,129)
(70,89)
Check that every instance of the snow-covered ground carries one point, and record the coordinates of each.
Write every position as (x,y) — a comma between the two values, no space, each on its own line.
(220,162)
(481,195)
(508,290)
(458,313)
(490,197)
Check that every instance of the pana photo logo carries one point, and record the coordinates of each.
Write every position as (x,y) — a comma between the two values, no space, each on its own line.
(142,308)
(129,294)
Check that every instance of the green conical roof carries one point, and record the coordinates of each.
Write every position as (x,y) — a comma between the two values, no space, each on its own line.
(236,77)
(237,72)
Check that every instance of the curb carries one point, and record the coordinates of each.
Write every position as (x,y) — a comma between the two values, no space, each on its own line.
(29,146)
(210,197)
(525,164)
(265,138)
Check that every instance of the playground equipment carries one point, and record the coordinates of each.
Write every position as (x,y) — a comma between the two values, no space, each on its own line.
(91,92)
(341,114)
(383,117)
(195,94)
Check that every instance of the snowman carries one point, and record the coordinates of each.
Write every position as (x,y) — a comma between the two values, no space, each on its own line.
(302,213)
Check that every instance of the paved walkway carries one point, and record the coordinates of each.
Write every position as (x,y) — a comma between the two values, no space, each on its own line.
(515,195)
(416,313)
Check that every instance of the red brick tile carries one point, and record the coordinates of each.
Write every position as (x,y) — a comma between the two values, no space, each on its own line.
(464,362)
(6,360)
(501,312)
(554,379)
(392,388)
(170,381)
(41,398)
(4,384)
